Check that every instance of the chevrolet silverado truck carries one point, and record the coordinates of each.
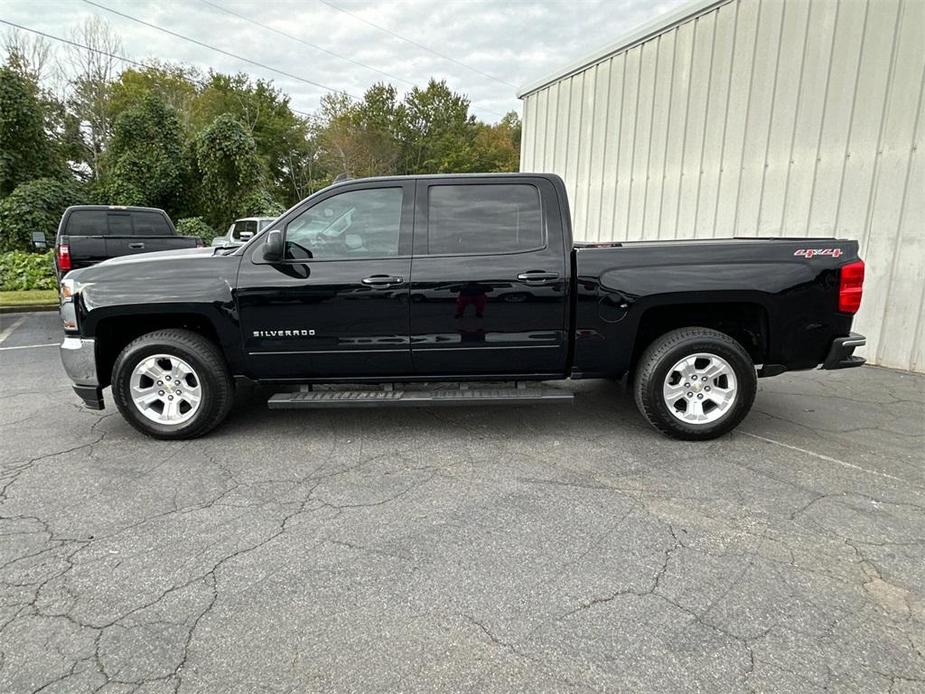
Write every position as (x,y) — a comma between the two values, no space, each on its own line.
(90,234)
(455,290)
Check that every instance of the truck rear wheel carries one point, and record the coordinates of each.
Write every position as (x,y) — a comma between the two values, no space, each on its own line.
(695,383)
(172,384)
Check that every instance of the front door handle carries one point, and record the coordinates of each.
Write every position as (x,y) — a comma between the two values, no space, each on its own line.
(537,276)
(136,245)
(382,280)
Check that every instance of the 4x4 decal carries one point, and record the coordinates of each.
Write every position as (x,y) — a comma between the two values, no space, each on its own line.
(809,253)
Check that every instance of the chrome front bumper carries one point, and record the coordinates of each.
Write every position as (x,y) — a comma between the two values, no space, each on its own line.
(79,359)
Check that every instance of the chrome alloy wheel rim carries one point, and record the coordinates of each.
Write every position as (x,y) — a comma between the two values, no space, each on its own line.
(700,388)
(166,389)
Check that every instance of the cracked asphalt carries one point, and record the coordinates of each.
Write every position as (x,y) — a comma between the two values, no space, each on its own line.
(488,549)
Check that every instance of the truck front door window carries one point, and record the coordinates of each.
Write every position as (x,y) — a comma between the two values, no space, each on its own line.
(357,224)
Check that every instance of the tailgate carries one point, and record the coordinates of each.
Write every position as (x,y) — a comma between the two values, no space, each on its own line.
(117,246)
(87,250)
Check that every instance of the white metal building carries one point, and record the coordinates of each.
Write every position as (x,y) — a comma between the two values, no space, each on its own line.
(756,117)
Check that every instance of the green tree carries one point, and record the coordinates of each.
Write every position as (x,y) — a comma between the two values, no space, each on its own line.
(26,149)
(35,206)
(174,84)
(305,167)
(229,171)
(360,139)
(279,135)
(497,147)
(145,158)
(436,131)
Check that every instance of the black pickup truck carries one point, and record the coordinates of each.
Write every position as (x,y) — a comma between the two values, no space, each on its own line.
(89,234)
(461,289)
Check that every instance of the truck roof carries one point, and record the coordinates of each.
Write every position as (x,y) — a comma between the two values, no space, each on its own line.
(121,208)
(412,177)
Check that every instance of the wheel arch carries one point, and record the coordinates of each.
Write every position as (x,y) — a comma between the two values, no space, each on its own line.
(114,332)
(744,321)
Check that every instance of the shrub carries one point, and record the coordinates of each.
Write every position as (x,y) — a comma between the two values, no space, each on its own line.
(259,203)
(20,271)
(35,206)
(196,226)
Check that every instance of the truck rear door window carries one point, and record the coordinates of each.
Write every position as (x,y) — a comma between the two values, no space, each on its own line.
(483,219)
(151,224)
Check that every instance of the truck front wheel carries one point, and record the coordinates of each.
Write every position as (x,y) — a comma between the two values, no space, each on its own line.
(172,384)
(695,383)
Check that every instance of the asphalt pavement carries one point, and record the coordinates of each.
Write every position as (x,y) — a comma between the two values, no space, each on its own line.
(545,548)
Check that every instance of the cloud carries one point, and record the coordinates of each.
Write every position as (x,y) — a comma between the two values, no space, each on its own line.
(515,42)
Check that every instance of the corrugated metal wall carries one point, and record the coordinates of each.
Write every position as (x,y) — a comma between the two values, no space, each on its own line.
(759,117)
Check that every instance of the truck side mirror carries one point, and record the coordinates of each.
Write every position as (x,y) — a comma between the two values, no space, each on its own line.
(273,246)
(38,241)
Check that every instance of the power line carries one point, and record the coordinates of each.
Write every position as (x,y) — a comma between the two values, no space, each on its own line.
(115,56)
(143,66)
(415,43)
(324,50)
(307,43)
(222,51)
(74,43)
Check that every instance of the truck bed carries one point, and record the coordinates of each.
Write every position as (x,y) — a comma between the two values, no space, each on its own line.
(784,288)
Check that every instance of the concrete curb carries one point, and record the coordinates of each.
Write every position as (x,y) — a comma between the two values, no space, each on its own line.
(28,309)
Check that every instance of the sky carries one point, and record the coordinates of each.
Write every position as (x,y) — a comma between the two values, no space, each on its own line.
(485,49)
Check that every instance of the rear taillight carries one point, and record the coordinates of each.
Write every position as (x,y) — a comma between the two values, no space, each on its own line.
(64,257)
(850,286)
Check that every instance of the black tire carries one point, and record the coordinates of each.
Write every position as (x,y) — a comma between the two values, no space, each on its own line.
(202,355)
(666,351)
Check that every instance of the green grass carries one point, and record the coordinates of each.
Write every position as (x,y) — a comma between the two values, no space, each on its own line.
(30,297)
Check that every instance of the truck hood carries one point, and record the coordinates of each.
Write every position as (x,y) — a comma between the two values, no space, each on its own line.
(158,255)
(196,277)
(146,265)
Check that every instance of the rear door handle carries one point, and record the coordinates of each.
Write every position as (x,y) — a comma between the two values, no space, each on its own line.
(136,245)
(382,280)
(537,276)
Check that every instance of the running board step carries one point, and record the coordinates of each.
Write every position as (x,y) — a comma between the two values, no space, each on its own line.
(419,398)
